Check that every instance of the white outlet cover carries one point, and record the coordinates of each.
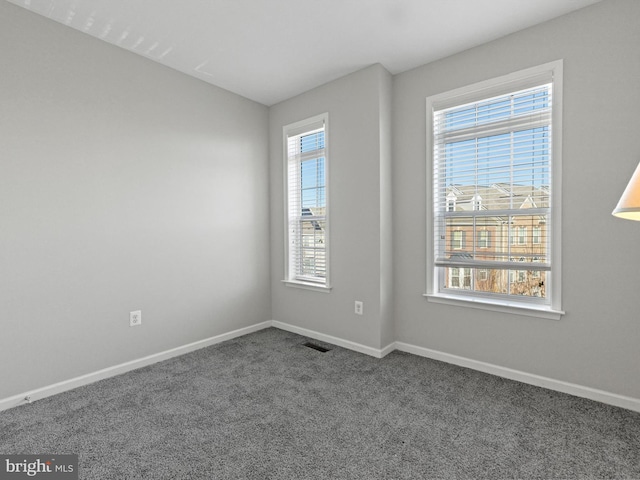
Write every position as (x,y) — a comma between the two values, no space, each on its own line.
(359,307)
(135,318)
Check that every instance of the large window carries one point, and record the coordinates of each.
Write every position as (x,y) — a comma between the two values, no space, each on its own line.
(307,214)
(494,163)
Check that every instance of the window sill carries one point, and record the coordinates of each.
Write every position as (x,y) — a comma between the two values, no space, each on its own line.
(504,307)
(307,286)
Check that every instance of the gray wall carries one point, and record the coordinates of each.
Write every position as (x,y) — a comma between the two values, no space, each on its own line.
(596,343)
(124,185)
(359,201)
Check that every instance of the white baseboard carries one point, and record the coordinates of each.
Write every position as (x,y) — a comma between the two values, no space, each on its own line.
(629,403)
(387,350)
(616,400)
(602,396)
(65,385)
(357,347)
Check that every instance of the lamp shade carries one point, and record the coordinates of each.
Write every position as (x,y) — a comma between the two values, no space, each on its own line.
(629,205)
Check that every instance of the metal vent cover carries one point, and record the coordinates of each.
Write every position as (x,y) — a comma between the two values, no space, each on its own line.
(317,347)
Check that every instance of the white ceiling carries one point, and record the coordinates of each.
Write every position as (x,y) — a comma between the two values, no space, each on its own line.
(271,50)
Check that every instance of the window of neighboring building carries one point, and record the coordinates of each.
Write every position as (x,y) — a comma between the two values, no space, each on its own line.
(466,278)
(536,235)
(483,239)
(307,242)
(455,277)
(451,202)
(497,145)
(457,240)
(522,235)
(460,278)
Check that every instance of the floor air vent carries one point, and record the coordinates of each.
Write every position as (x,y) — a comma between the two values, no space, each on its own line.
(316,347)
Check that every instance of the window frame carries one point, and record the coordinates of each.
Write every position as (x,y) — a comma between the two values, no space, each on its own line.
(298,129)
(530,77)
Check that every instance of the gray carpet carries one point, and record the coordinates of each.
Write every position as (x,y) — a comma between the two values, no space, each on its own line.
(264,406)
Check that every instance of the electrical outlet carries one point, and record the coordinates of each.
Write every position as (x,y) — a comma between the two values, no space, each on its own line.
(135,318)
(359,307)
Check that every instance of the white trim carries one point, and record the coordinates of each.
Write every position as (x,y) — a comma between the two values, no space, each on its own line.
(494,87)
(313,123)
(483,303)
(387,350)
(357,347)
(556,180)
(317,287)
(109,372)
(602,396)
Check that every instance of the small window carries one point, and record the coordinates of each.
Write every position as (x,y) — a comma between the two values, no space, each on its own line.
(535,238)
(460,278)
(451,202)
(522,235)
(455,277)
(483,239)
(307,213)
(457,240)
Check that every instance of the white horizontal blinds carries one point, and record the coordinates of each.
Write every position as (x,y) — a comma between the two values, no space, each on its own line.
(492,193)
(307,208)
